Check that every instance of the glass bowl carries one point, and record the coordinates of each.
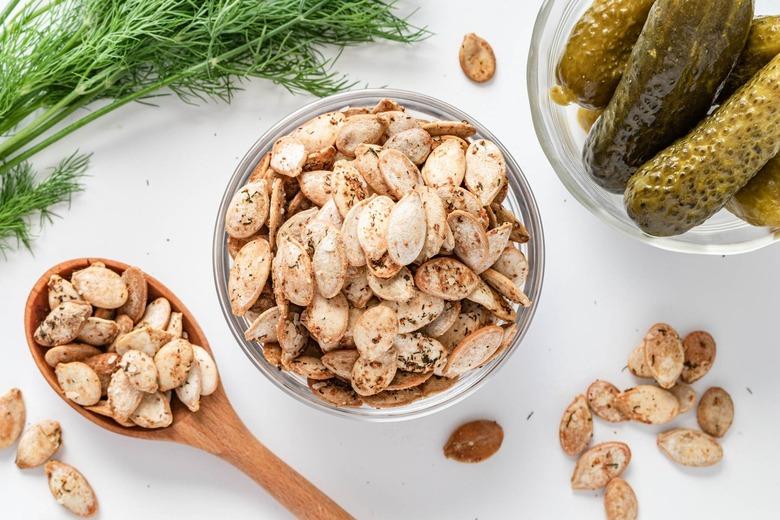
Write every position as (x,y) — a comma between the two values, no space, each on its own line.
(562,139)
(519,199)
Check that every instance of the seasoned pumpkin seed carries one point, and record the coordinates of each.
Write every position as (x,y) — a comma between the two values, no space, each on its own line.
(12,416)
(296,272)
(157,314)
(326,319)
(690,447)
(140,370)
(248,275)
(78,382)
(248,210)
(685,395)
(400,174)
(648,404)
(399,288)
(316,185)
(601,400)
(477,58)
(62,325)
(357,130)
(356,287)
(348,186)
(417,312)
(473,350)
(70,489)
(462,129)
(173,362)
(154,411)
(485,170)
(100,286)
(715,412)
(371,376)
(60,290)
(415,143)
(98,332)
(446,278)
(288,156)
(38,443)
(620,502)
(319,132)
(336,393)
(664,354)
(69,352)
(375,332)
(416,352)
(576,428)
(471,242)
(340,362)
(474,441)
(700,350)
(406,229)
(209,377)
(444,321)
(146,339)
(372,227)
(600,464)
(329,264)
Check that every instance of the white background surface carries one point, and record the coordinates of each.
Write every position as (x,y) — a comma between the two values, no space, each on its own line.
(157,177)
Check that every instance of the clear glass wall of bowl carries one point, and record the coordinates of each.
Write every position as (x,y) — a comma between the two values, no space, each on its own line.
(520,200)
(562,139)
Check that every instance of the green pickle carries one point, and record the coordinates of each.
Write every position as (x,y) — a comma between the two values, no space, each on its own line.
(597,51)
(684,53)
(693,179)
(762,45)
(758,203)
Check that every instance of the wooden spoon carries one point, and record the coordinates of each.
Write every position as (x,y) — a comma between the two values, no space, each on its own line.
(215,428)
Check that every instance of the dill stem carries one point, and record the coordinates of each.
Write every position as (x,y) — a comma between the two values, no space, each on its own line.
(35,127)
(16,144)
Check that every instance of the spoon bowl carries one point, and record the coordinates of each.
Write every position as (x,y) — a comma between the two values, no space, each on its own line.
(215,428)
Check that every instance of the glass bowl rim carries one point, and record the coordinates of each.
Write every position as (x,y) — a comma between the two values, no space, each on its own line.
(546,135)
(522,192)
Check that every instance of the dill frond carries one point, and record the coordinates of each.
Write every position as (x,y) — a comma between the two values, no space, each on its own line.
(22,198)
(58,56)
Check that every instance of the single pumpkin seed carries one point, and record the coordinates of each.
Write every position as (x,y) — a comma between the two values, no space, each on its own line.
(690,447)
(715,412)
(576,428)
(600,464)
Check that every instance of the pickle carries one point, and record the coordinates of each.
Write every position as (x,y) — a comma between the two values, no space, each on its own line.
(685,51)
(762,45)
(694,178)
(758,203)
(597,51)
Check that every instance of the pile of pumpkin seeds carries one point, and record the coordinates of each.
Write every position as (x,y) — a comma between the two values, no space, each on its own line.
(119,355)
(674,364)
(372,255)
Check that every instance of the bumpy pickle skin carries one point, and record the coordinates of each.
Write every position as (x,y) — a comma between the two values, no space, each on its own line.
(685,51)
(758,203)
(693,179)
(762,45)
(597,51)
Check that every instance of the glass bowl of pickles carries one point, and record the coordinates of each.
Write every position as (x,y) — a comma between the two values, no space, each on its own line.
(683,160)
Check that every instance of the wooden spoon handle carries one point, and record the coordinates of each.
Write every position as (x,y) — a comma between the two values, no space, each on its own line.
(298,495)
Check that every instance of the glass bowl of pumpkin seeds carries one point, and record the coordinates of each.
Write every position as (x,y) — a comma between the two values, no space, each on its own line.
(378,255)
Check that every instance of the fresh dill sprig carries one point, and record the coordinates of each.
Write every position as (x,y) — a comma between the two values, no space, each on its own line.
(22,197)
(58,56)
